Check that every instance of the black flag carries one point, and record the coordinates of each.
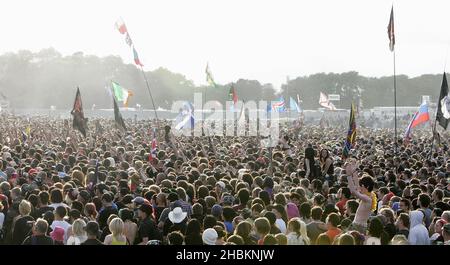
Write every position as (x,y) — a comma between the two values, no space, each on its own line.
(118,117)
(443,111)
(79,122)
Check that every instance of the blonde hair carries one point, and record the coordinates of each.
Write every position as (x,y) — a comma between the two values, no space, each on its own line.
(25,207)
(77,174)
(78,227)
(116,226)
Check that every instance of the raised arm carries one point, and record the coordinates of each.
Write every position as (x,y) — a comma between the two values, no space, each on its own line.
(353,182)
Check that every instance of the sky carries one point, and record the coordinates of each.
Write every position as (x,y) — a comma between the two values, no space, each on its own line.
(250,39)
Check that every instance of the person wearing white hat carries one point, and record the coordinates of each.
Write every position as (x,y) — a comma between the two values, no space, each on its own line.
(176,222)
(210,236)
(177,215)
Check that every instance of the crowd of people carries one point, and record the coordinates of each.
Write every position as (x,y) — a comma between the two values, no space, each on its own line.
(113,188)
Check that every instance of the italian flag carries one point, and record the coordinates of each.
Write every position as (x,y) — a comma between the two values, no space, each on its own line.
(121,94)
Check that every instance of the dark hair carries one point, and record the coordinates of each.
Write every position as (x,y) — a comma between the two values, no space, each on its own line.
(44,197)
(126,214)
(193,227)
(316,213)
(61,211)
(209,222)
(228,213)
(406,202)
(244,196)
(424,200)
(271,217)
(56,196)
(333,218)
(375,227)
(305,210)
(264,195)
(75,214)
(76,205)
(346,192)
(107,197)
(175,238)
(367,182)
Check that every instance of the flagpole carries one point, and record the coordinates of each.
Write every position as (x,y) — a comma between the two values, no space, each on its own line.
(395,109)
(149,91)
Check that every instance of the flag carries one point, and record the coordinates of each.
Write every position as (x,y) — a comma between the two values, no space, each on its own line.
(443,111)
(120,25)
(79,122)
(233,95)
(128,39)
(351,134)
(278,106)
(325,102)
(28,130)
(185,118)
(407,137)
(24,137)
(120,124)
(390,28)
(153,147)
(136,58)
(293,105)
(209,76)
(121,94)
(421,116)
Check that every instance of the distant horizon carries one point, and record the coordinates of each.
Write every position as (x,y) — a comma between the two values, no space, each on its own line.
(277,89)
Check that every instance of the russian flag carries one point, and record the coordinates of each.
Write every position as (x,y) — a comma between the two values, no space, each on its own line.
(422,115)
(419,117)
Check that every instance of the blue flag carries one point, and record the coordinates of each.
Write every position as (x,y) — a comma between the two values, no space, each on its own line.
(293,105)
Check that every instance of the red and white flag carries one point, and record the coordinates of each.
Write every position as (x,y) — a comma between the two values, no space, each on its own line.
(120,25)
(325,102)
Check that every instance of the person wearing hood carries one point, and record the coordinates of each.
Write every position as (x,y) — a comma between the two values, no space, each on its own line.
(418,233)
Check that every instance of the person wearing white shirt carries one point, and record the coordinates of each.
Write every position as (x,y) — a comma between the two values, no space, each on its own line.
(60,213)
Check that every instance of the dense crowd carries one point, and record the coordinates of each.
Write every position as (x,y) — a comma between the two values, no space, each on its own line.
(57,187)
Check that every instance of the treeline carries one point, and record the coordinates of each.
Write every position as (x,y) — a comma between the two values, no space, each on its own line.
(45,78)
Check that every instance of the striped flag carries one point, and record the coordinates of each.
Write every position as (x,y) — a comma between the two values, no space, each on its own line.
(279,106)
(391,34)
(351,134)
(325,102)
(136,58)
(209,76)
(121,94)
